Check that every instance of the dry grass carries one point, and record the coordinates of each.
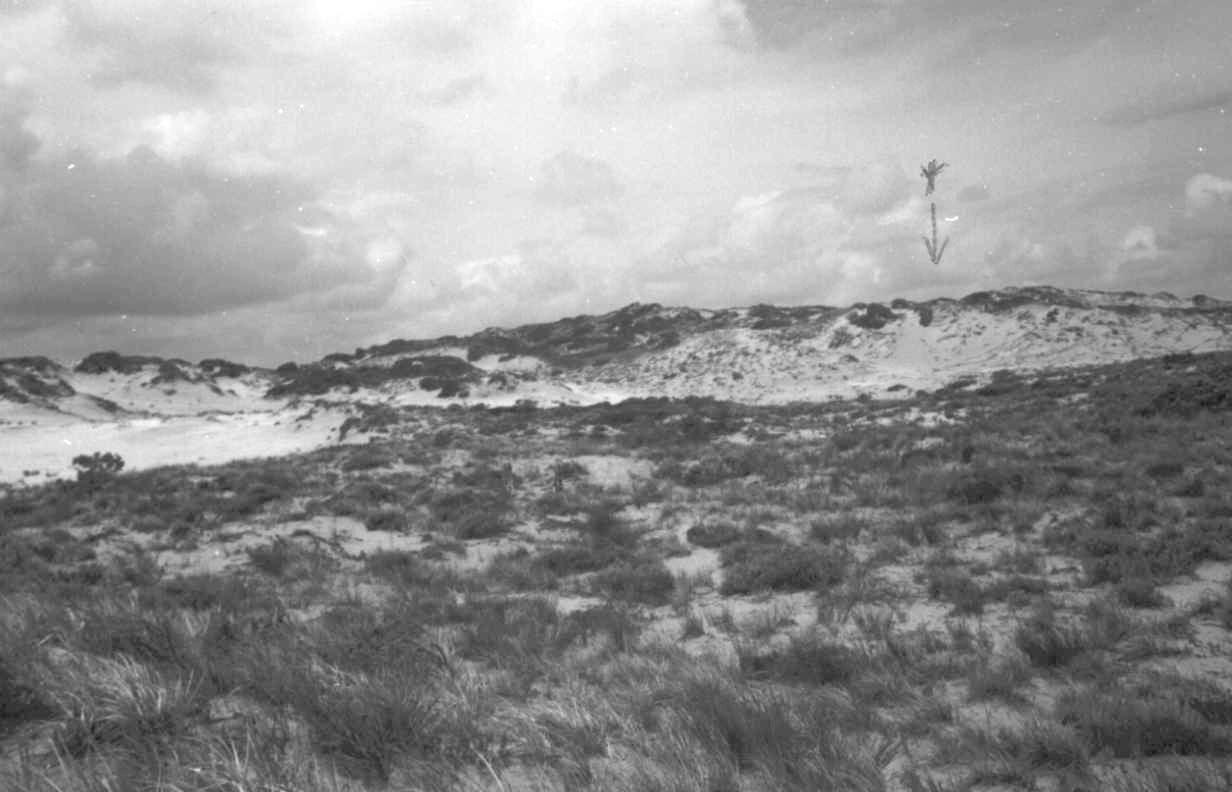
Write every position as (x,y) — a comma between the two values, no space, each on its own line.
(982,594)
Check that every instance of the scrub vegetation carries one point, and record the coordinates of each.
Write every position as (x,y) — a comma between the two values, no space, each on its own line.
(1021,585)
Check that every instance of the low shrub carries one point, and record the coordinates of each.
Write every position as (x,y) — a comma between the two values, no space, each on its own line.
(751,566)
(472,513)
(98,467)
(975,489)
(273,558)
(956,586)
(1139,592)
(738,462)
(1143,722)
(1001,678)
(577,558)
(1048,643)
(807,659)
(387,520)
(644,581)
(713,534)
(832,530)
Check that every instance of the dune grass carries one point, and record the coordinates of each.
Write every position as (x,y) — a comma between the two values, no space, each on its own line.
(975,587)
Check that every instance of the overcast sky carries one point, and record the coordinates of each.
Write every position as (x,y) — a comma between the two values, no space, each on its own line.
(267,180)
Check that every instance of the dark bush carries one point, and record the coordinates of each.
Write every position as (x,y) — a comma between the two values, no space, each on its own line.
(1140,592)
(827,531)
(713,534)
(1165,470)
(20,703)
(874,316)
(575,559)
(95,470)
(388,520)
(957,587)
(808,660)
(738,462)
(1210,390)
(1135,723)
(645,581)
(975,489)
(273,558)
(753,566)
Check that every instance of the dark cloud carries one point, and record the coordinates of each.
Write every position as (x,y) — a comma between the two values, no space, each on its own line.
(1168,105)
(570,179)
(86,236)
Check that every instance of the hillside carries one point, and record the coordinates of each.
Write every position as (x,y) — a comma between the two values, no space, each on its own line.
(157,410)
(769,354)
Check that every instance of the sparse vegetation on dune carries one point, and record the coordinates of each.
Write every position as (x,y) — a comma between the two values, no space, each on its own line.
(1018,585)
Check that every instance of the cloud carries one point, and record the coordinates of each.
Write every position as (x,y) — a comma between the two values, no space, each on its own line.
(1140,242)
(569,179)
(17,144)
(1166,104)
(1205,192)
(810,244)
(148,41)
(16,7)
(780,24)
(874,188)
(641,53)
(170,44)
(457,90)
(538,269)
(84,235)
(974,192)
(369,282)
(601,222)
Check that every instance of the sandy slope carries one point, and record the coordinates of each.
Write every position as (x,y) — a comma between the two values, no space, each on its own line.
(803,354)
(48,447)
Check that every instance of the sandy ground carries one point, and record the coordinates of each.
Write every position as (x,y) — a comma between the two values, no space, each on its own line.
(34,453)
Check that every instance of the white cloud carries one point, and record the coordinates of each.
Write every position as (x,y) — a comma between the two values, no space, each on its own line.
(1204,191)
(176,136)
(1140,242)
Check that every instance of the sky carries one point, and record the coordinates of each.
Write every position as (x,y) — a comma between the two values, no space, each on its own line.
(272,180)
